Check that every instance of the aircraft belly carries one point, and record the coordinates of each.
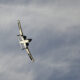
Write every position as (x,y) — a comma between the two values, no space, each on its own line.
(25,45)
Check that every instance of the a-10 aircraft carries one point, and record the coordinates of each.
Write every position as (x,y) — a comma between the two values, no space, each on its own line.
(24,41)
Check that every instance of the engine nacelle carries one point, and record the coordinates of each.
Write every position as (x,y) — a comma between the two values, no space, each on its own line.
(24,37)
(30,40)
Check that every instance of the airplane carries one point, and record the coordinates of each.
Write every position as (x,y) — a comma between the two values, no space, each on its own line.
(24,41)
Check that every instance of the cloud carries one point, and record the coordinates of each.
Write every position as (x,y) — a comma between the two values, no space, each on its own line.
(41,2)
(54,28)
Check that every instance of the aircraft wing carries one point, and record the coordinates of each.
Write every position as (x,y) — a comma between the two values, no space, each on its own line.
(29,54)
(20,29)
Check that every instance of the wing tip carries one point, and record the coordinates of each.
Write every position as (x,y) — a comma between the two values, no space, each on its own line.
(33,60)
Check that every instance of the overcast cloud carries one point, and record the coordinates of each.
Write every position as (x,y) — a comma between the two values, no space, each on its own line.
(54,26)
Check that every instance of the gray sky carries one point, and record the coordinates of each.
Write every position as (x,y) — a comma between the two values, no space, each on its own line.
(54,26)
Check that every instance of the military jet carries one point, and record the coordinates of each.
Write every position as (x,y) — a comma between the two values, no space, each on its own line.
(24,41)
